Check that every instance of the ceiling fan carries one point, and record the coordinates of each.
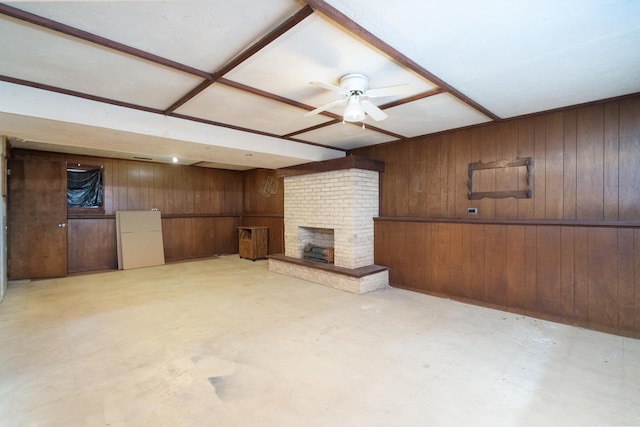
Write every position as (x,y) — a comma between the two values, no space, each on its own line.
(355,88)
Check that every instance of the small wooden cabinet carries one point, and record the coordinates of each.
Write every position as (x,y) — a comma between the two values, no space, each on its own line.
(253,242)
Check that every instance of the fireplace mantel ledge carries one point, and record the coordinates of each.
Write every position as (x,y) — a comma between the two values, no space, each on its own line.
(348,162)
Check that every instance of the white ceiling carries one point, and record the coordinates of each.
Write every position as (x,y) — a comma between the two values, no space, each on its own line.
(104,78)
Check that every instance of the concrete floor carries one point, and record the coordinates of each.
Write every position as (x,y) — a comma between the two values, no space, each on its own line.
(224,342)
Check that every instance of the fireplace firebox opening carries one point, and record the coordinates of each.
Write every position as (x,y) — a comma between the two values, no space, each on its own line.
(316,244)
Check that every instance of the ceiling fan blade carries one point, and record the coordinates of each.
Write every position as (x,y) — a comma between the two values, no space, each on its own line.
(331,87)
(396,90)
(326,107)
(372,110)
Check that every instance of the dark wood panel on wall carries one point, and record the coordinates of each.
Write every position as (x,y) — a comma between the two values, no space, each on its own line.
(263,192)
(201,209)
(585,167)
(264,205)
(585,171)
(199,237)
(92,245)
(172,189)
(92,241)
(588,276)
(629,153)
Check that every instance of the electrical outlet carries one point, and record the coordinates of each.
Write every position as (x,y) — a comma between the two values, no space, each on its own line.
(472,211)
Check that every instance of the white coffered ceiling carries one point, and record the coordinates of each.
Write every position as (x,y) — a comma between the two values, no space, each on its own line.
(226,83)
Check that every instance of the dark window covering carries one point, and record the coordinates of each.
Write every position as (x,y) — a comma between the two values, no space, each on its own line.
(84,189)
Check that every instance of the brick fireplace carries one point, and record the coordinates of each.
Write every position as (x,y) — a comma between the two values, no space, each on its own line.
(332,203)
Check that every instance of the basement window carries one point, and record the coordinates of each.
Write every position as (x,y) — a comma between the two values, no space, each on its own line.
(84,188)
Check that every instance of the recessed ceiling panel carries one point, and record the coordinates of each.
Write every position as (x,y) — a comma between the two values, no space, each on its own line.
(428,115)
(515,57)
(225,104)
(345,136)
(318,50)
(47,57)
(202,34)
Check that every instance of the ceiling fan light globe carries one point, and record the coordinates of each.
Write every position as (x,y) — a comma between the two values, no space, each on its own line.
(353,113)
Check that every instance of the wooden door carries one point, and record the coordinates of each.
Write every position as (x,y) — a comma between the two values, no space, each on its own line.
(37,232)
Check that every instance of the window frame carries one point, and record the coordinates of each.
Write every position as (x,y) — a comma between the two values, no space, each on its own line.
(78,167)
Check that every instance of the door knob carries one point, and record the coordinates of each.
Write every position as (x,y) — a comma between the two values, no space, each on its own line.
(62,225)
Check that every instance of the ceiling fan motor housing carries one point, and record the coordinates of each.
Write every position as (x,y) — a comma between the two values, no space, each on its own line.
(355,82)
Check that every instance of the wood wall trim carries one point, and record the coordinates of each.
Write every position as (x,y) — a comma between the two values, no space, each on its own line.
(112,216)
(72,215)
(558,223)
(223,215)
(259,215)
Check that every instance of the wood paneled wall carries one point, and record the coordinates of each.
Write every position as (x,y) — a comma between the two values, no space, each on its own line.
(263,209)
(571,253)
(588,276)
(91,244)
(585,167)
(200,208)
(172,189)
(199,237)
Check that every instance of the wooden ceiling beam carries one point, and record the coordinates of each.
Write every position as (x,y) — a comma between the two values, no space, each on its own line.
(422,95)
(338,120)
(309,129)
(265,94)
